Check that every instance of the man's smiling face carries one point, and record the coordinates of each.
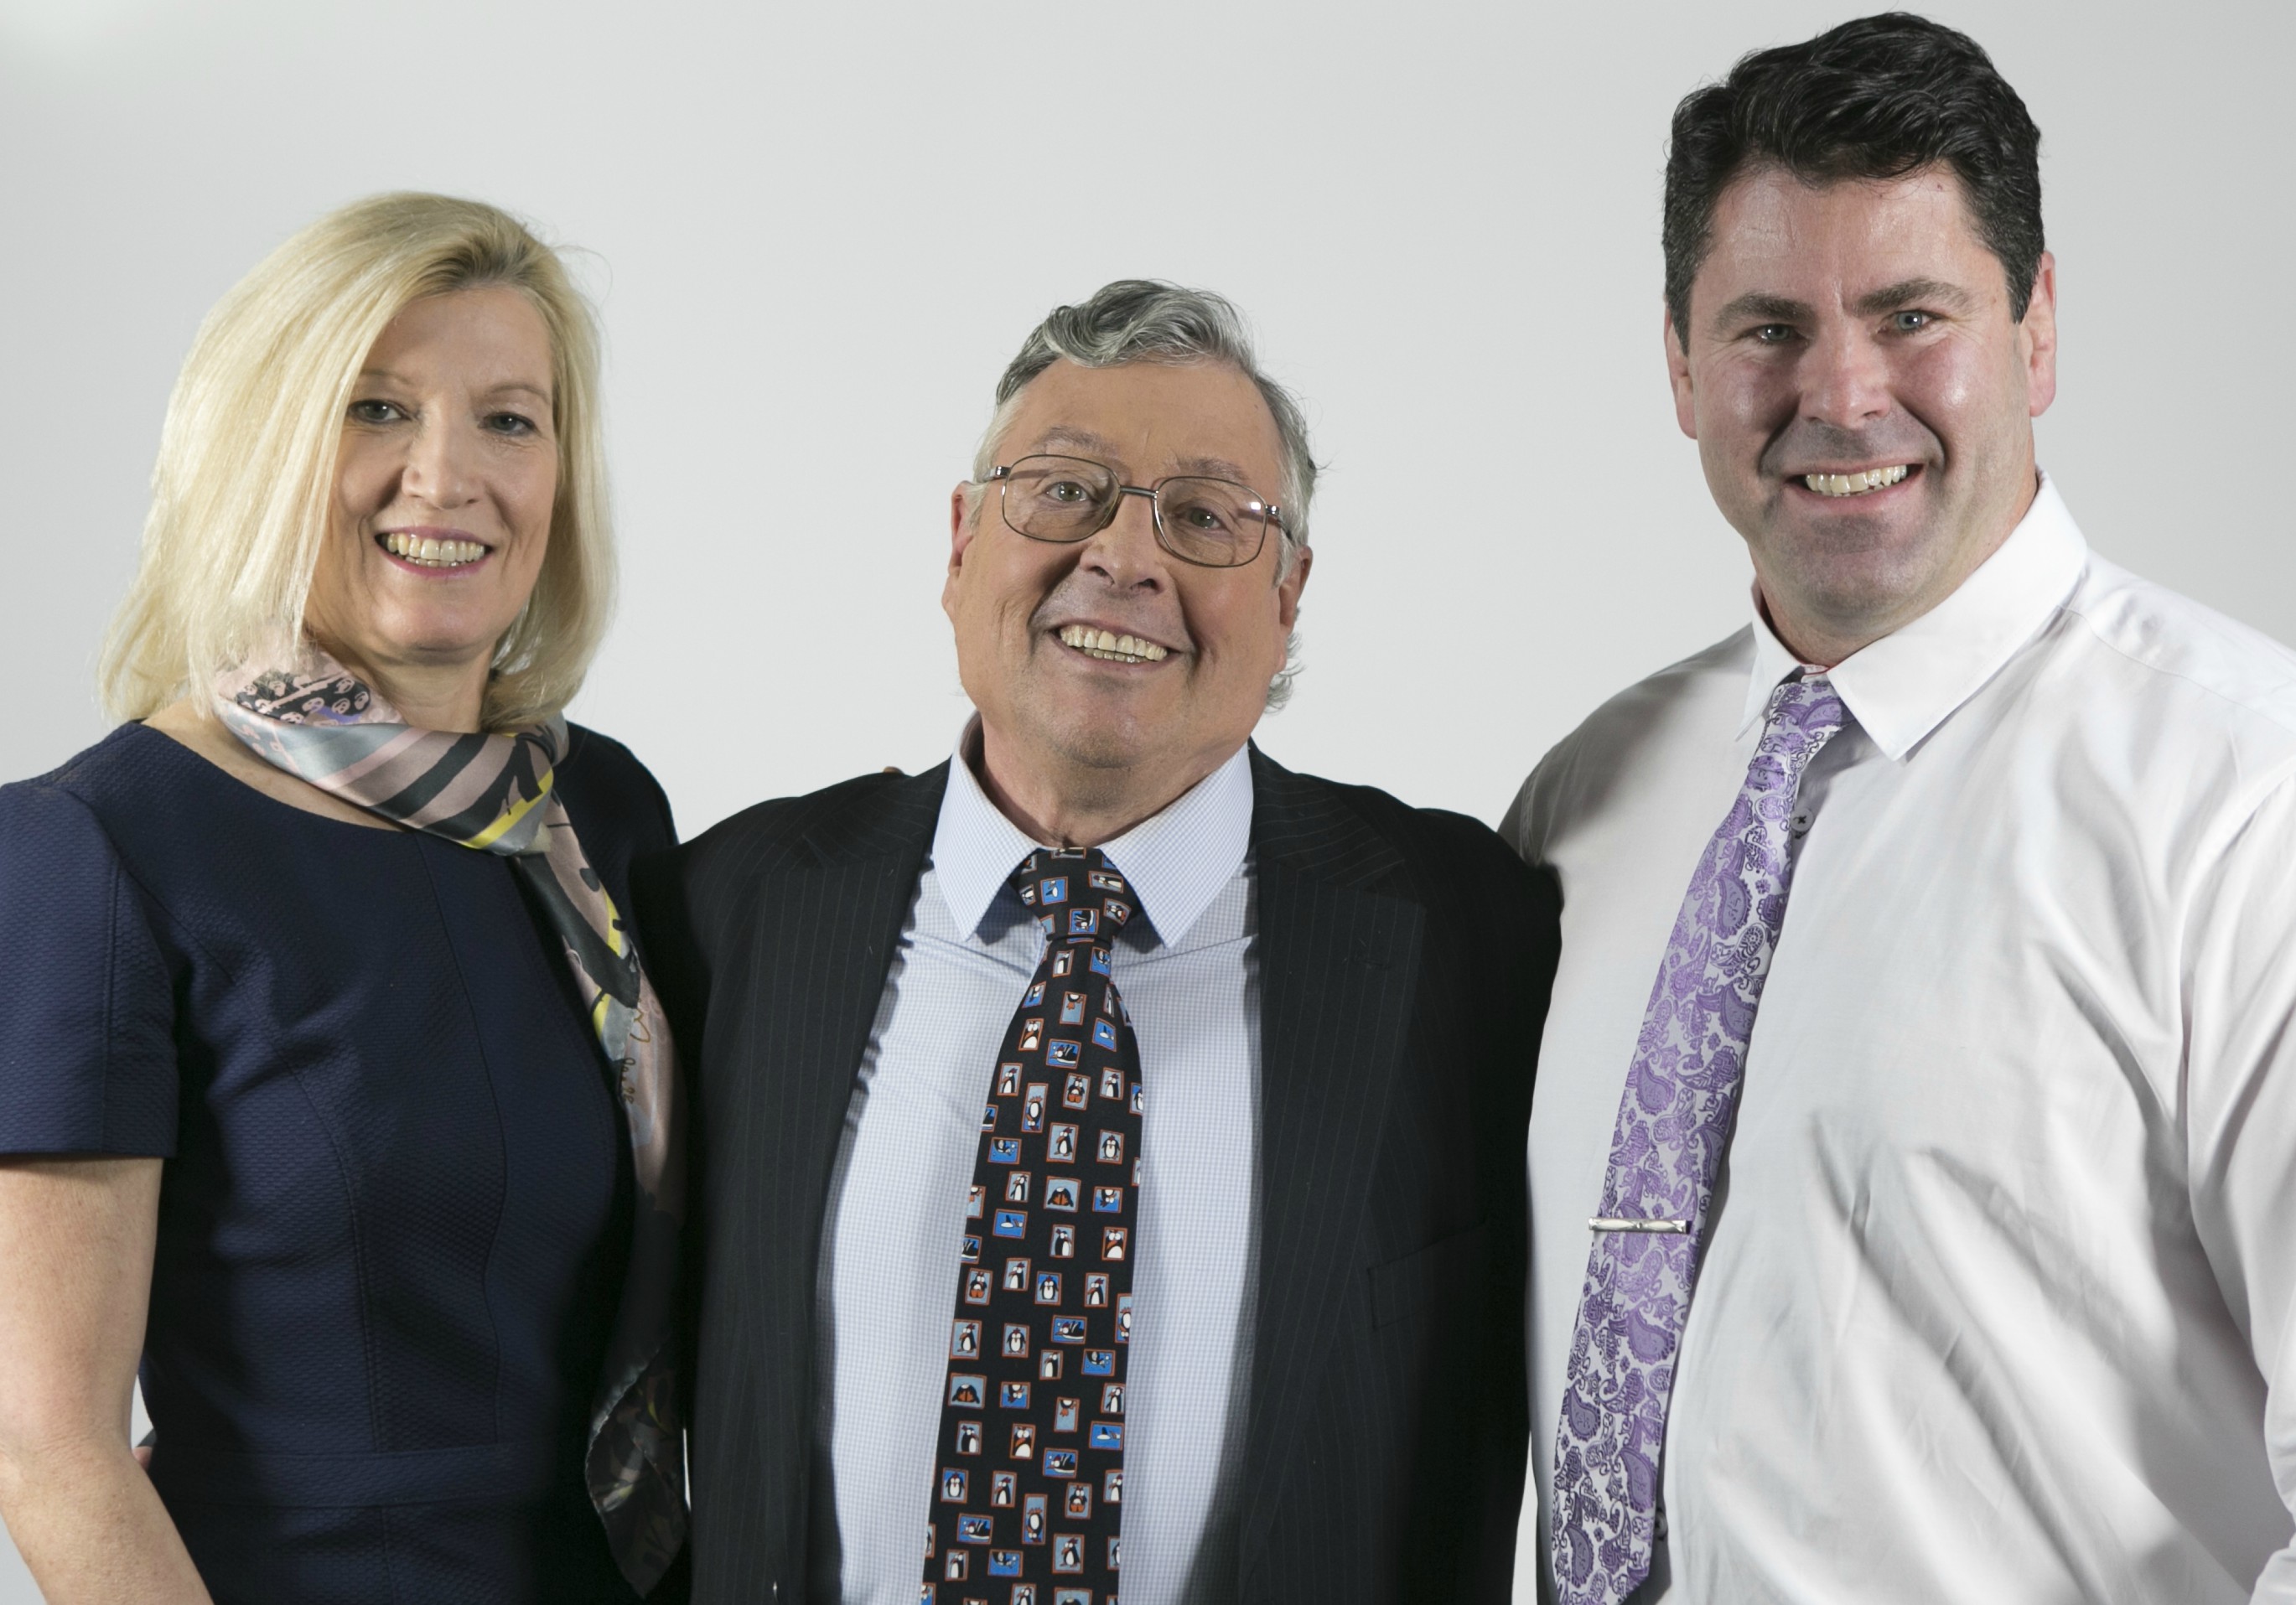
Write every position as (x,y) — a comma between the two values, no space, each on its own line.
(1042,628)
(1862,401)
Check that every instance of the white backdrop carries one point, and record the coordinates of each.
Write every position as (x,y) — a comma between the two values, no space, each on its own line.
(810,233)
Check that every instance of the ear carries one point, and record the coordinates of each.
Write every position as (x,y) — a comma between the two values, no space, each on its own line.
(2037,338)
(1677,372)
(1287,593)
(962,527)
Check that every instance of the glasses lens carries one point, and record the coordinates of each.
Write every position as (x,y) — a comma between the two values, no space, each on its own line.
(1215,522)
(1056,498)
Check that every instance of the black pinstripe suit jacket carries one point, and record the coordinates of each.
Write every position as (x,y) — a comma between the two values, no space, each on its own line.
(1404,957)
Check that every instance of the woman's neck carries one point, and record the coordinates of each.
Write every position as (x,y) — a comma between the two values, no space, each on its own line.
(428,694)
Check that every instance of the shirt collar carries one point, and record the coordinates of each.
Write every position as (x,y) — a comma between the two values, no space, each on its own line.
(1904,685)
(1177,860)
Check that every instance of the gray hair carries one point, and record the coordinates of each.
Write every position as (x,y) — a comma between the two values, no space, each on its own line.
(1148,320)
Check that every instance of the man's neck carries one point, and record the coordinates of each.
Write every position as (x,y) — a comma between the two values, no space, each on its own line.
(1070,805)
(1821,643)
(1814,650)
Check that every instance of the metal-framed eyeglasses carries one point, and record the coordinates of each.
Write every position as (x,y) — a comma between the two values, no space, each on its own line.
(1211,522)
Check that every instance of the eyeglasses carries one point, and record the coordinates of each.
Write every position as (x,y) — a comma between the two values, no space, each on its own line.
(1212,523)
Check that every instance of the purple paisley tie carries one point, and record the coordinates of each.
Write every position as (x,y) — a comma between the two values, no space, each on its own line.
(1674,1125)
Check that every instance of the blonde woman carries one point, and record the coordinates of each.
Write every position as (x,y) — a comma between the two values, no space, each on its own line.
(331,1091)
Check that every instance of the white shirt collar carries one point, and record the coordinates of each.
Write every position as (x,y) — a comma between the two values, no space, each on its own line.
(1904,685)
(1177,860)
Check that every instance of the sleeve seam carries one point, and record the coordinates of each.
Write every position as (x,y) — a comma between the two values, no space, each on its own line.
(111,992)
(2215,693)
(123,873)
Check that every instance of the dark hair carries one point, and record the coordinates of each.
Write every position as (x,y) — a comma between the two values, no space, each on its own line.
(1877,98)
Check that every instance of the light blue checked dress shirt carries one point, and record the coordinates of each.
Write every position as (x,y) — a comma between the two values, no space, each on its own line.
(1189,973)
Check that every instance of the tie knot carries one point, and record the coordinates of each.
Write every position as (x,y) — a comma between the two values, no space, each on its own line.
(1805,712)
(1074,892)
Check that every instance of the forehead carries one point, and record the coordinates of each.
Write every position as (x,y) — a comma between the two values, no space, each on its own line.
(1773,233)
(1149,419)
(494,333)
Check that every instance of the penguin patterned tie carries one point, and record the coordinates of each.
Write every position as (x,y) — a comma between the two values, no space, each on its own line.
(1029,1470)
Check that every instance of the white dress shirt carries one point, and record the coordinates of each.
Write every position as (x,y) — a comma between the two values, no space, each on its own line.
(1189,973)
(1996,1305)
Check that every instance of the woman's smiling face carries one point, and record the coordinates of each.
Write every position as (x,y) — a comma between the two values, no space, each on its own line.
(444,487)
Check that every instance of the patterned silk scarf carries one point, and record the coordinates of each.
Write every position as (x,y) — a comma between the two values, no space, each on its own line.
(494,793)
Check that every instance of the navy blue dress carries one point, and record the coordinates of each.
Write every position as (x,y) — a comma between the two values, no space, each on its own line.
(397,1204)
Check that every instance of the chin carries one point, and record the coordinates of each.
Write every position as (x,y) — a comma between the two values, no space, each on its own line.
(1102,748)
(1097,737)
(1876,589)
(1856,554)
(434,639)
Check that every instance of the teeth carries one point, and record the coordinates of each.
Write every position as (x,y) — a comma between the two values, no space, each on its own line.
(1115,648)
(433,553)
(1859,484)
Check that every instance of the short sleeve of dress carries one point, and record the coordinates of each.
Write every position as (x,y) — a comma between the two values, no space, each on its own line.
(88,1054)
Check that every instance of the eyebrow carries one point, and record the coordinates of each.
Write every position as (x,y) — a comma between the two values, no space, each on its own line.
(1082,439)
(1905,292)
(520,385)
(1216,468)
(1060,434)
(1761,306)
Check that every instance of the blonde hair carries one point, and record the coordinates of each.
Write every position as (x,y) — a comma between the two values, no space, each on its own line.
(243,493)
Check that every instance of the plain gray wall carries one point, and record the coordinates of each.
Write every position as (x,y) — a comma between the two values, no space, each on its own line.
(816,237)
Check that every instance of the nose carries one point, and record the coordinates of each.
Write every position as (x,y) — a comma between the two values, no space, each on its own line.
(1846,379)
(1125,553)
(441,464)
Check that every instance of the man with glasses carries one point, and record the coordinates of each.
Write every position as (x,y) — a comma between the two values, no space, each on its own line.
(1109,1141)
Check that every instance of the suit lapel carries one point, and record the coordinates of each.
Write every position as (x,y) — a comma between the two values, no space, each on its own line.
(852,899)
(841,916)
(1338,966)
(829,914)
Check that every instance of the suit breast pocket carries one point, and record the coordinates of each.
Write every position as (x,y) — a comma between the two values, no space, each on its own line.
(1449,1273)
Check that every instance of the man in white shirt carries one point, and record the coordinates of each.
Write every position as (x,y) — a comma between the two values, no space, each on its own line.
(1232,1261)
(1982,1291)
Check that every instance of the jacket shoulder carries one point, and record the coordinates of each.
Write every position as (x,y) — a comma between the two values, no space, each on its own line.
(694,901)
(868,815)
(1433,856)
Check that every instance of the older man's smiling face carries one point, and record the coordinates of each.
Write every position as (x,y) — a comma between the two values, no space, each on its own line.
(1042,629)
